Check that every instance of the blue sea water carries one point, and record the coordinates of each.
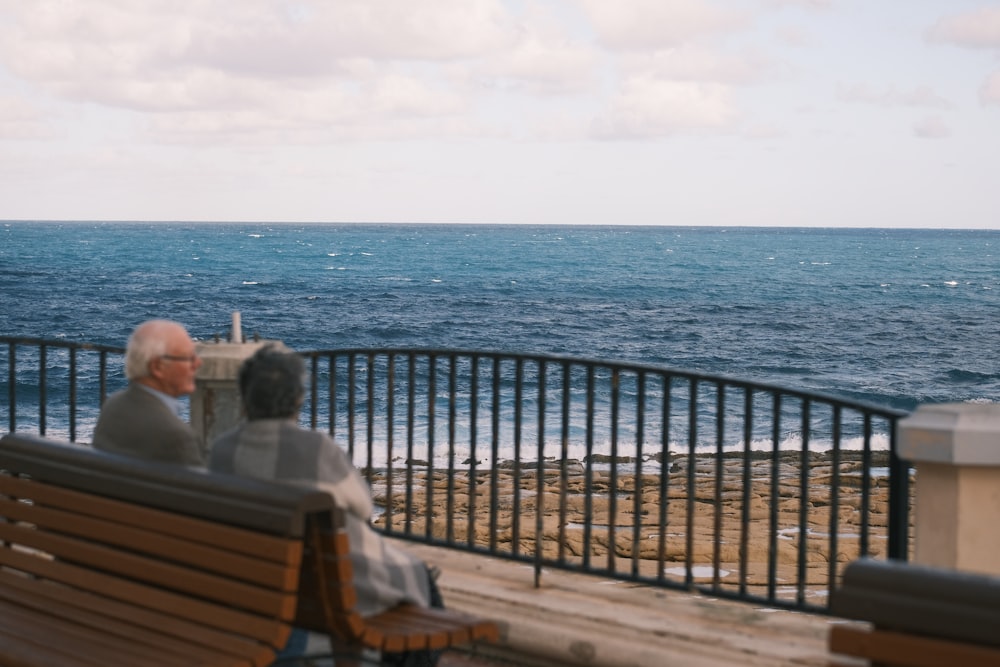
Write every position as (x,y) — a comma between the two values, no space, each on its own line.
(892,316)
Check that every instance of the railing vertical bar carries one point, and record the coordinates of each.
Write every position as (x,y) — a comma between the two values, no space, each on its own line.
(102,379)
(352,375)
(692,462)
(450,473)
(588,478)
(332,395)
(470,535)
(834,499)
(866,484)
(72,393)
(540,477)
(720,439)
(665,465)
(748,482)
(515,518)
(564,436)
(313,390)
(640,432)
(899,500)
(43,386)
(613,479)
(12,384)
(411,410)
(804,502)
(432,371)
(390,437)
(370,417)
(772,533)
(495,388)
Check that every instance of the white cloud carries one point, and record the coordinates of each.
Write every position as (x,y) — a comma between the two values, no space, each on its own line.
(793,36)
(309,67)
(990,91)
(84,43)
(808,4)
(546,59)
(21,120)
(648,25)
(325,32)
(975,29)
(932,127)
(921,96)
(695,63)
(648,107)
(544,67)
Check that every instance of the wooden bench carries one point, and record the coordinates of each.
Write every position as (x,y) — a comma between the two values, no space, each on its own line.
(916,616)
(107,560)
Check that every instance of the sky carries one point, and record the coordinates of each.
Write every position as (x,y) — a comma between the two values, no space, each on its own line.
(812,113)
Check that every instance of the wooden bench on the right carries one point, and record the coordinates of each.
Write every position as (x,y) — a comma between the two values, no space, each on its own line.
(916,616)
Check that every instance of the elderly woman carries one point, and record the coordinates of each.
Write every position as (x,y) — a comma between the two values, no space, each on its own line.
(271,445)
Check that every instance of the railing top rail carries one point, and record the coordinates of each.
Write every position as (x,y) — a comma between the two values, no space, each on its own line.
(47,342)
(711,378)
(660,370)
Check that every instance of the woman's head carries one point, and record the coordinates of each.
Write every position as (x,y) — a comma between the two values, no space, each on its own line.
(272,383)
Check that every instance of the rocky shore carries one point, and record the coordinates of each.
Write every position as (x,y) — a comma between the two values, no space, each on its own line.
(745,515)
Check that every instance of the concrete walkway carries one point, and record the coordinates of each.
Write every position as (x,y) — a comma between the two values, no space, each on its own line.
(575,619)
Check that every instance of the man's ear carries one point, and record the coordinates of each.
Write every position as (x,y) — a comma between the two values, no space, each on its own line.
(155,368)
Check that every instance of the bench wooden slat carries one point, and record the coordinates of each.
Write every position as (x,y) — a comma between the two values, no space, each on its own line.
(237,540)
(19,651)
(906,650)
(262,506)
(82,643)
(142,568)
(211,558)
(146,596)
(98,613)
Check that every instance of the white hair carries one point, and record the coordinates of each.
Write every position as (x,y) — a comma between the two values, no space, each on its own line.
(147,342)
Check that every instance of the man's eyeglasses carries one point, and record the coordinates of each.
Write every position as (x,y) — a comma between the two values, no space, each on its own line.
(173,357)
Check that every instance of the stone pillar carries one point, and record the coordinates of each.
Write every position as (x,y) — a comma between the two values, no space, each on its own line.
(215,403)
(956,450)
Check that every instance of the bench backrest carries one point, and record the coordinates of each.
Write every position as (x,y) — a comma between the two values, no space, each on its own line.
(150,551)
(914,598)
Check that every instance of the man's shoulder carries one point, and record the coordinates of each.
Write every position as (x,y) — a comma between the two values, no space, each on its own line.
(133,394)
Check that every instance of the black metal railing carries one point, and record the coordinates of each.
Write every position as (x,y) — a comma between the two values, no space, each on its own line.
(44,374)
(642,473)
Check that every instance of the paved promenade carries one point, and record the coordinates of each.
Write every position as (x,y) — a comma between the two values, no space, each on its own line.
(584,620)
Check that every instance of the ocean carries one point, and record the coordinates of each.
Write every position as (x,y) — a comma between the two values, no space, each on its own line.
(896,317)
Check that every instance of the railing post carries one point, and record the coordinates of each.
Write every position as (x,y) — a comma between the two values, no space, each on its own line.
(215,404)
(956,449)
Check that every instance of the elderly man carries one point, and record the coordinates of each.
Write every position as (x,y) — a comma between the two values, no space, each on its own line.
(143,419)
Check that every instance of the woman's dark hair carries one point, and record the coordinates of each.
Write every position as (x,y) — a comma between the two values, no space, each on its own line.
(271,383)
